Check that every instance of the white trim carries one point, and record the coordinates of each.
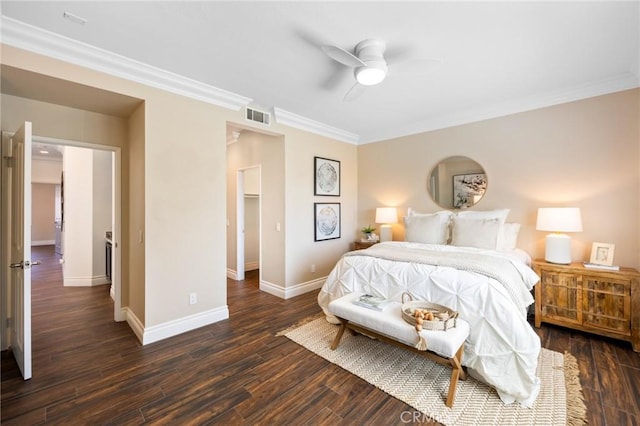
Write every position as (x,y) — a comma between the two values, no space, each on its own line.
(273,289)
(182,325)
(231,274)
(34,39)
(86,281)
(28,37)
(293,120)
(43,243)
(134,323)
(291,291)
(251,266)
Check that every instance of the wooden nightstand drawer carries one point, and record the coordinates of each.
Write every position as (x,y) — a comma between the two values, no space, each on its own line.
(607,304)
(561,296)
(359,245)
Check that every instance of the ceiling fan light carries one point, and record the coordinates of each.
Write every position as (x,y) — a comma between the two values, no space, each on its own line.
(368,76)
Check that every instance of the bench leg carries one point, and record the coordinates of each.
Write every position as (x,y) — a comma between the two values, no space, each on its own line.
(336,340)
(456,372)
(463,372)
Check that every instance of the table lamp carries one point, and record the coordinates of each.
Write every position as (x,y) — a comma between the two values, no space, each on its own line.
(558,220)
(386,216)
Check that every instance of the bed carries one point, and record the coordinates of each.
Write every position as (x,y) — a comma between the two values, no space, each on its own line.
(469,263)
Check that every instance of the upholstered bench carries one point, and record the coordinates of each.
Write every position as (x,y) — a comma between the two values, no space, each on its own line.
(444,347)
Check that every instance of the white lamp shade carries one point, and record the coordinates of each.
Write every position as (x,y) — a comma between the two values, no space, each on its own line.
(386,215)
(559,219)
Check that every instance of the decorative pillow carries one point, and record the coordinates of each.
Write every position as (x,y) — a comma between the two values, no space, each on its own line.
(472,232)
(427,228)
(508,237)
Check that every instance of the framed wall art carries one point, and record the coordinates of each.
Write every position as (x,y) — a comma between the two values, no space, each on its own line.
(326,177)
(468,189)
(327,221)
(602,254)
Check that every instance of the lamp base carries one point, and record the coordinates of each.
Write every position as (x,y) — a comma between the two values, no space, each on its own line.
(558,249)
(385,233)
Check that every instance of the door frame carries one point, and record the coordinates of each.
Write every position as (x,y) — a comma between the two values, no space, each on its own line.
(118,313)
(240,221)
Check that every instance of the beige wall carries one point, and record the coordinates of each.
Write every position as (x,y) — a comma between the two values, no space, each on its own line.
(287,198)
(46,171)
(583,154)
(43,198)
(133,259)
(61,122)
(174,148)
(302,250)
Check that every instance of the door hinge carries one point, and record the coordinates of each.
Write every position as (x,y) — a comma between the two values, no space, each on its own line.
(9,161)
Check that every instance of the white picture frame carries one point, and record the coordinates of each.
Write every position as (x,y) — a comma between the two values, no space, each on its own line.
(602,254)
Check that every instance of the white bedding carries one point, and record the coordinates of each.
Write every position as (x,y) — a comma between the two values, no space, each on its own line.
(502,348)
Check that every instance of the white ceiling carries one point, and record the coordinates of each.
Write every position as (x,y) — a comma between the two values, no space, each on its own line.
(496,57)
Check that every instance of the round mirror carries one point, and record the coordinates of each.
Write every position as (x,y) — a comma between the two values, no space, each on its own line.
(457,183)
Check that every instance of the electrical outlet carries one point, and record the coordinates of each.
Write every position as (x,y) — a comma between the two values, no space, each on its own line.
(313,267)
(193,298)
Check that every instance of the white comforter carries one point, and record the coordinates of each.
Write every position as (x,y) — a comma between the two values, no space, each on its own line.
(502,348)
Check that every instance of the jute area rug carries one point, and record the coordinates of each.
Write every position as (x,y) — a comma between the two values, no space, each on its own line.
(423,384)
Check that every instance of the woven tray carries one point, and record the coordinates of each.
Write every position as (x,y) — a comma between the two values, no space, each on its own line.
(444,318)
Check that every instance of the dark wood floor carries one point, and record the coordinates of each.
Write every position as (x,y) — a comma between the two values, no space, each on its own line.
(88,369)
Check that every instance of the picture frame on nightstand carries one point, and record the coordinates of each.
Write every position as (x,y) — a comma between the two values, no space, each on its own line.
(602,254)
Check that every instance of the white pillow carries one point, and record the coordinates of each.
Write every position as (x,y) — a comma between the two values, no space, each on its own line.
(472,232)
(427,228)
(411,212)
(508,237)
(500,214)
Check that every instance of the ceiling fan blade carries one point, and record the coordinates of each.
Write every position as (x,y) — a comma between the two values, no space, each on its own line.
(338,54)
(355,92)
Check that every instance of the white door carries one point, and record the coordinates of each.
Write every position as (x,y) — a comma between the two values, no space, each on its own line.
(21,248)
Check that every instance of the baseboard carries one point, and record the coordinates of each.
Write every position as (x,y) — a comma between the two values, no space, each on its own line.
(291,291)
(232,274)
(86,281)
(134,323)
(182,325)
(251,266)
(43,243)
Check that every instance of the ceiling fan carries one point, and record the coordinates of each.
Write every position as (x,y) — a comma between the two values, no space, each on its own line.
(370,66)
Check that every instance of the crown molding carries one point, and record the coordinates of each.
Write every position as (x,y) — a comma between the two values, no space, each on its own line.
(617,83)
(293,120)
(34,39)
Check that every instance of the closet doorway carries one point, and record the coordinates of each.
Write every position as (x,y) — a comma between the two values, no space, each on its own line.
(248,220)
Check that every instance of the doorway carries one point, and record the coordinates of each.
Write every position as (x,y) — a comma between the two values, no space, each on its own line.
(248,221)
(104,157)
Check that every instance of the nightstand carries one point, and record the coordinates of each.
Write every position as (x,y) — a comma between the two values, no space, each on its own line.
(594,300)
(359,245)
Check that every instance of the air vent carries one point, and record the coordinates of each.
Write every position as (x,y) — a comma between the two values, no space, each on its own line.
(258,116)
